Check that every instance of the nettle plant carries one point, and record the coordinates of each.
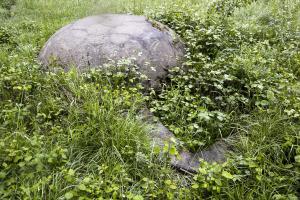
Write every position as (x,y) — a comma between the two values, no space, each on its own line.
(230,71)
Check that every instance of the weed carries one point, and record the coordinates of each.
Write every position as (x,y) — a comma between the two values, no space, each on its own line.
(75,136)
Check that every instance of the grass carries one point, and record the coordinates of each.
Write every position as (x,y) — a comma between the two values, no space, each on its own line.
(72,136)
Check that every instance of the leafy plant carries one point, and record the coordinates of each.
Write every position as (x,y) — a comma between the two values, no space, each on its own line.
(75,136)
(227,73)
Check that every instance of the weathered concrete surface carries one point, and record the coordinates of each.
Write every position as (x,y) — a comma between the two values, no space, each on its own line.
(186,161)
(97,40)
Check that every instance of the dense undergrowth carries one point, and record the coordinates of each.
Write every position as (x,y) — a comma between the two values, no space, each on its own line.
(239,60)
(71,136)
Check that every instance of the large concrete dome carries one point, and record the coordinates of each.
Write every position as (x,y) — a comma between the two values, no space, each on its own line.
(97,40)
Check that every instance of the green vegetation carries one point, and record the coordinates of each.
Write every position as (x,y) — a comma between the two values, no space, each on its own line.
(71,136)
(238,62)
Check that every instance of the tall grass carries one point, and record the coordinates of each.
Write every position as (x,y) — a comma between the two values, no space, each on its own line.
(65,135)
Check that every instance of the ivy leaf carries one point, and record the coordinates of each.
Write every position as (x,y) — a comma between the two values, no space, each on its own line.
(204,115)
(270,95)
(297,159)
(82,187)
(166,148)
(69,195)
(227,175)
(173,150)
(264,102)
(173,187)
(28,158)
(218,182)
(168,182)
(156,150)
(2,174)
(138,197)
(71,172)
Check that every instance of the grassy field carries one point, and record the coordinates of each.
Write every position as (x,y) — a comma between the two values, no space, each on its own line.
(65,135)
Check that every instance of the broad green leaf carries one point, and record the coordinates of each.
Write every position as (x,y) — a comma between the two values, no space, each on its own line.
(69,195)
(297,159)
(227,175)
(82,187)
(173,150)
